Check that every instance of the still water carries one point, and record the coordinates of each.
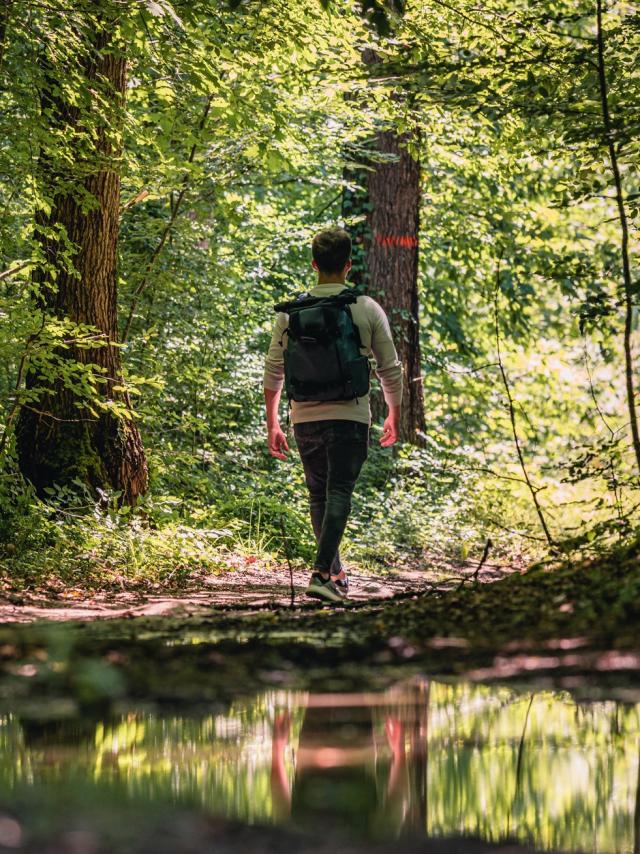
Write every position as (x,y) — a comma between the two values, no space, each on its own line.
(425,758)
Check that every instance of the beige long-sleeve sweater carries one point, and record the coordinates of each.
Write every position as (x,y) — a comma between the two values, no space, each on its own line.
(375,335)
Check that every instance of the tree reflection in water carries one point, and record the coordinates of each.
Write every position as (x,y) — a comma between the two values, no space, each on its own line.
(423,758)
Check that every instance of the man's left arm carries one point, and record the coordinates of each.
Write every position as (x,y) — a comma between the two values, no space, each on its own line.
(388,371)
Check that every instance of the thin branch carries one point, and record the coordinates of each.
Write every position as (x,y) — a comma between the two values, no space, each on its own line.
(450,370)
(454,469)
(499,33)
(512,413)
(476,573)
(6,274)
(519,759)
(56,418)
(524,536)
(139,197)
(21,368)
(521,747)
(612,469)
(483,559)
(624,229)
(636,816)
(325,207)
(175,210)
(286,551)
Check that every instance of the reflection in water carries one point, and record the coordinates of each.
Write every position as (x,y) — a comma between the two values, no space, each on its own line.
(351,767)
(422,758)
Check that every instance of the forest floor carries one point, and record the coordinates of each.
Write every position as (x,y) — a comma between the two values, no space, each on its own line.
(571,620)
(570,627)
(248,582)
(196,833)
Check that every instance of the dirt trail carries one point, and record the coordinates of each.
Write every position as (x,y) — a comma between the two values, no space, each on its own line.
(250,586)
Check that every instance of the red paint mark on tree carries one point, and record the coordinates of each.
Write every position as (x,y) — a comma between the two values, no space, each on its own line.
(405,241)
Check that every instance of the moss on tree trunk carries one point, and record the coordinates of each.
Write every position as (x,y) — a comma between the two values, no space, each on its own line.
(59,439)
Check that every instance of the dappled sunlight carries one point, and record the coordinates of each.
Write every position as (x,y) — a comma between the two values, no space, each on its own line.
(319,430)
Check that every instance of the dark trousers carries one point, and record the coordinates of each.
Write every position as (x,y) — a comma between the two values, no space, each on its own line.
(332,454)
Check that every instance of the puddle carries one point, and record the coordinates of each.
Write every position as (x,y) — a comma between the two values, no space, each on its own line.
(424,759)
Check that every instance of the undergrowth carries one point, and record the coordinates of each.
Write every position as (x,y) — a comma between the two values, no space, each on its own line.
(206,506)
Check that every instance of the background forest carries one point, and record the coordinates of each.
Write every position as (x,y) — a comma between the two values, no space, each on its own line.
(203,144)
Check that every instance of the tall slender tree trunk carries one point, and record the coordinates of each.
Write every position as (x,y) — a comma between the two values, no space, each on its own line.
(636,815)
(419,769)
(386,259)
(58,438)
(624,236)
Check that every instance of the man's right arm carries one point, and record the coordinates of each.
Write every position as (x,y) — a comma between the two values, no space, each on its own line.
(276,439)
(388,371)
(273,382)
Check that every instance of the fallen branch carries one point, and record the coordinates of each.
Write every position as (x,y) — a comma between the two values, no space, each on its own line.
(286,552)
(485,555)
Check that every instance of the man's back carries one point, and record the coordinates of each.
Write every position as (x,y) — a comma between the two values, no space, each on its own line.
(375,336)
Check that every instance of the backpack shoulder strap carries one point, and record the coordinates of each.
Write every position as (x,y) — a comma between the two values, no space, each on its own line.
(351,296)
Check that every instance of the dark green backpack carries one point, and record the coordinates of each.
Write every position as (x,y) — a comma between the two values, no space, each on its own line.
(322,358)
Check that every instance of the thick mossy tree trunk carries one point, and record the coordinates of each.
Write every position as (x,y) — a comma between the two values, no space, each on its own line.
(386,259)
(59,437)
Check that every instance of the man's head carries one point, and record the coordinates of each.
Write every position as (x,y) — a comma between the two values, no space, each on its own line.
(331,252)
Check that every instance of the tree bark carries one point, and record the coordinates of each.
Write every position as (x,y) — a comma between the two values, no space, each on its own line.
(58,439)
(386,260)
(5,10)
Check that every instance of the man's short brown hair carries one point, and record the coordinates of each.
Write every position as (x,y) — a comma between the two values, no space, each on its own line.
(331,249)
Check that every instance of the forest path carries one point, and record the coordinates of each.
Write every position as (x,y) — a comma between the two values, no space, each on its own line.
(250,584)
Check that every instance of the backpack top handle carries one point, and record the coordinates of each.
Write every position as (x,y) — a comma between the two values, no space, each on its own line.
(306,300)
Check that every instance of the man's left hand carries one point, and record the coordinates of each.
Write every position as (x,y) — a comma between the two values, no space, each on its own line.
(278,446)
(390,430)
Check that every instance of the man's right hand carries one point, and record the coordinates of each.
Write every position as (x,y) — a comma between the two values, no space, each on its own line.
(277,441)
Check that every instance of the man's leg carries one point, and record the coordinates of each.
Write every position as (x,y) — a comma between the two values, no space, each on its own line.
(312,447)
(317,517)
(346,447)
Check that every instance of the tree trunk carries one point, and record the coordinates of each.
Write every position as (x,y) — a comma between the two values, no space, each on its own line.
(636,815)
(59,439)
(386,260)
(5,10)
(624,237)
(419,768)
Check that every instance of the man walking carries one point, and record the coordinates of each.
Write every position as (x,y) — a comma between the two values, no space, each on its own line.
(332,435)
